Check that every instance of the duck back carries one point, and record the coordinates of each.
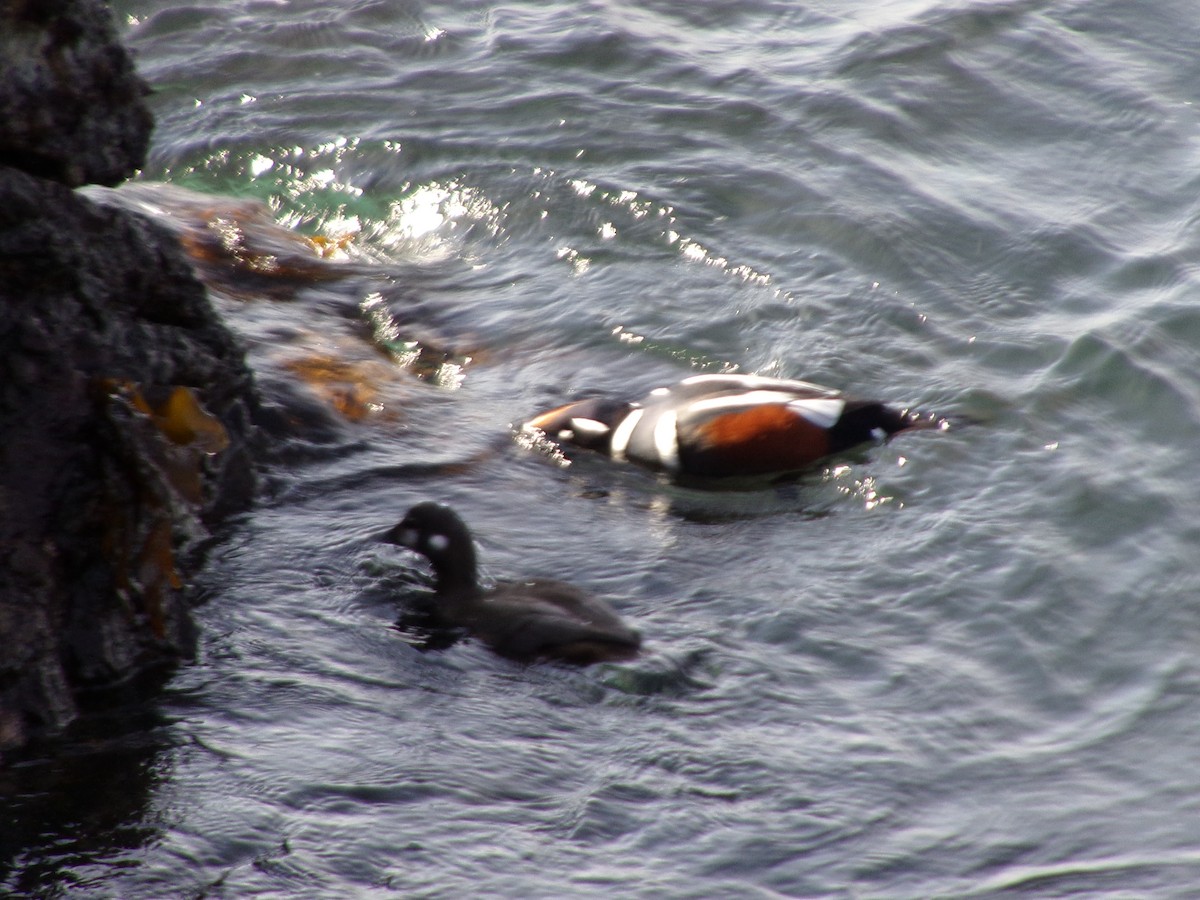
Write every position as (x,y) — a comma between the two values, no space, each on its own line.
(545,620)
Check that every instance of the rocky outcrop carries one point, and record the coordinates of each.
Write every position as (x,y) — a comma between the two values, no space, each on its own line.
(70,102)
(126,407)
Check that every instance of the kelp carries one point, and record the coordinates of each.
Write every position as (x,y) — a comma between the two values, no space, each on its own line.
(154,455)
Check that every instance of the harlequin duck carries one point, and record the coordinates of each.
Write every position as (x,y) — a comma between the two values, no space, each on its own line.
(726,426)
(526,620)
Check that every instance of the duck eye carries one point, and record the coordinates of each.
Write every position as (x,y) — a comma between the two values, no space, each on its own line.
(438,542)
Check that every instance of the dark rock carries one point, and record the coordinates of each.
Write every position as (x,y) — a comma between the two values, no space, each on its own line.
(126,410)
(71,105)
(126,407)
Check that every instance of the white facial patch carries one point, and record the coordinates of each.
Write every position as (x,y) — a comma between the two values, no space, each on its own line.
(438,542)
(589,428)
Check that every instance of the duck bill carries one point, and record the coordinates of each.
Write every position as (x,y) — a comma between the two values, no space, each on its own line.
(399,534)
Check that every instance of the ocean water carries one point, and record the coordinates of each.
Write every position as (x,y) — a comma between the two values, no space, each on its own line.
(958,664)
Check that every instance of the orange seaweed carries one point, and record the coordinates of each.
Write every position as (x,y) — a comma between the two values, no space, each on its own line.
(341,383)
(186,422)
(138,537)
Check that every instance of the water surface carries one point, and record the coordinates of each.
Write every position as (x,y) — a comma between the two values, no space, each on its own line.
(959,664)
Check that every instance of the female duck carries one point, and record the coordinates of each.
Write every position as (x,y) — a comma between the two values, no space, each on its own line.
(526,620)
(726,426)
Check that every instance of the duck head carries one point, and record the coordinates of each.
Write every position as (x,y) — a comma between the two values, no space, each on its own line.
(437,533)
(868,420)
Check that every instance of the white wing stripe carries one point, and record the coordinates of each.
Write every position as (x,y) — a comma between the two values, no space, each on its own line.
(757,383)
(822,413)
(735,402)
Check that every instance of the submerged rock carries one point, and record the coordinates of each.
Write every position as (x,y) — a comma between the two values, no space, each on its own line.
(126,406)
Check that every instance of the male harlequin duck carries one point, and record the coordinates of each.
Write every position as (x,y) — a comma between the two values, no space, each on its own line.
(526,620)
(726,426)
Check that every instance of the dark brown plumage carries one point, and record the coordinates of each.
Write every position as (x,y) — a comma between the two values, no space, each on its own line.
(525,620)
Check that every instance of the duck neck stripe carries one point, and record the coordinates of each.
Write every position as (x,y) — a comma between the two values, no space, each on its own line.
(623,432)
(666,440)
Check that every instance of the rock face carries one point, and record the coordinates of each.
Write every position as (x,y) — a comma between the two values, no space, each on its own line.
(126,407)
(70,102)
